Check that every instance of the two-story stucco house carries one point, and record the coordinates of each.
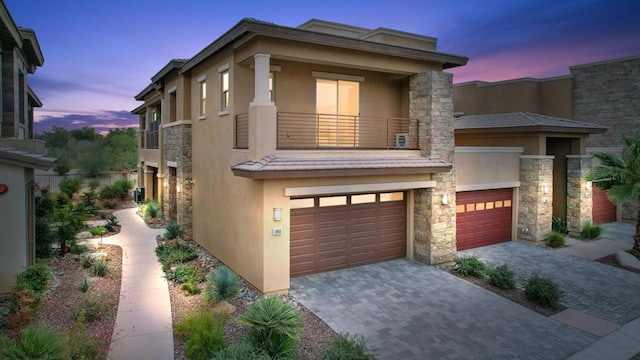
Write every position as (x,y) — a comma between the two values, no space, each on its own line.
(288,151)
(19,153)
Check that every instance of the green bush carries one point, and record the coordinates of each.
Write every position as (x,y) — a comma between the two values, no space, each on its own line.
(555,239)
(186,273)
(70,185)
(35,278)
(242,351)
(172,253)
(346,346)
(61,200)
(543,291)
(112,222)
(86,260)
(173,231)
(273,327)
(82,346)
(151,210)
(88,202)
(222,285)
(98,231)
(559,224)
(190,287)
(84,285)
(100,267)
(203,334)
(118,190)
(591,231)
(34,342)
(502,277)
(94,184)
(90,310)
(470,265)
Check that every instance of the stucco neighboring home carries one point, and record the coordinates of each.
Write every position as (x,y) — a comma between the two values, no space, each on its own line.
(19,153)
(287,151)
(603,93)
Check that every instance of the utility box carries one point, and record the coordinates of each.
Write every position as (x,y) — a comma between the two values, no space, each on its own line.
(138,195)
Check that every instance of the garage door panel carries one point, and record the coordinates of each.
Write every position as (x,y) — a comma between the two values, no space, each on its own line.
(347,235)
(486,219)
(603,210)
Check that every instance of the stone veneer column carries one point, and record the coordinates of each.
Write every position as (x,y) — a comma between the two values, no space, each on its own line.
(579,201)
(431,102)
(535,210)
(177,148)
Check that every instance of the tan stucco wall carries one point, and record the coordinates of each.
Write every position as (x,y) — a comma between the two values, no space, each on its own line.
(533,144)
(13,257)
(480,168)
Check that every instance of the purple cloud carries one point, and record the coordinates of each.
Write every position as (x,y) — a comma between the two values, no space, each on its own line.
(102,121)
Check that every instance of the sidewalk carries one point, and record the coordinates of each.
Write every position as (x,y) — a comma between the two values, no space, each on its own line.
(143,327)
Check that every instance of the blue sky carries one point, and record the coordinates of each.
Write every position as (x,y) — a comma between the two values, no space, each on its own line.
(100,54)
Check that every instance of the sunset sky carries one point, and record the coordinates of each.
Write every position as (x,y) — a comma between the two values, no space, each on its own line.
(100,54)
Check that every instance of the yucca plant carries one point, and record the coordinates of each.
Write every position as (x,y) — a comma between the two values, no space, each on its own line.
(84,285)
(222,285)
(34,342)
(100,267)
(273,327)
(173,231)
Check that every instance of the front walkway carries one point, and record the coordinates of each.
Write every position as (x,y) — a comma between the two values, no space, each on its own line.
(143,325)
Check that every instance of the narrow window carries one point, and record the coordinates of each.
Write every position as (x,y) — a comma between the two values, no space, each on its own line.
(203,97)
(272,79)
(225,90)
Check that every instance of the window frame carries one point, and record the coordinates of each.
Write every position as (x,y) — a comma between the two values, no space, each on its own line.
(202,96)
(225,91)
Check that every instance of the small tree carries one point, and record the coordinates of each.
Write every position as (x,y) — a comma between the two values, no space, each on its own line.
(69,220)
(620,177)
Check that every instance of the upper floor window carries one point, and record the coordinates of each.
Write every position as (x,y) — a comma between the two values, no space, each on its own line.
(338,107)
(202,81)
(224,77)
(272,80)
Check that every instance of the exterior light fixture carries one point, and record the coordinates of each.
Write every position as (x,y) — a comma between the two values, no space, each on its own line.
(545,189)
(178,188)
(445,199)
(587,185)
(166,184)
(277,214)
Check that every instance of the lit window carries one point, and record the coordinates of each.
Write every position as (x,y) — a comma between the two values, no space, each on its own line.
(272,79)
(302,203)
(225,90)
(203,97)
(363,199)
(333,201)
(337,106)
(397,196)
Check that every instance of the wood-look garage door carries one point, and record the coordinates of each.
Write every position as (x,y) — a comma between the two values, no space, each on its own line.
(483,217)
(335,232)
(603,210)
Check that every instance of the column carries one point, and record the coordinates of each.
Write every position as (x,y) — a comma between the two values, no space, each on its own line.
(579,201)
(262,113)
(535,209)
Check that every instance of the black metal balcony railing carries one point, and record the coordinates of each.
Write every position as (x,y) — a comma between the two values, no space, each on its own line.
(241,140)
(152,139)
(332,131)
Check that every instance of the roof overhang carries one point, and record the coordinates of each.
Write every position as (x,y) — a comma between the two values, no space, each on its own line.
(140,109)
(172,65)
(273,167)
(31,47)
(8,28)
(23,158)
(34,101)
(522,122)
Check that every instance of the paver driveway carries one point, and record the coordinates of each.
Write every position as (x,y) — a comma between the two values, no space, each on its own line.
(409,310)
(600,290)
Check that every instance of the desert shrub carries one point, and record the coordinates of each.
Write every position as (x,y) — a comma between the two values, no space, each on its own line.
(109,204)
(118,190)
(69,221)
(82,346)
(241,351)
(191,288)
(94,184)
(202,333)
(98,231)
(555,239)
(559,224)
(76,249)
(34,342)
(185,273)
(84,285)
(100,267)
(88,202)
(151,210)
(502,277)
(61,200)
(35,278)
(273,327)
(70,185)
(90,310)
(173,231)
(45,237)
(112,222)
(171,253)
(543,291)
(222,285)
(86,260)
(591,231)
(470,265)
(346,346)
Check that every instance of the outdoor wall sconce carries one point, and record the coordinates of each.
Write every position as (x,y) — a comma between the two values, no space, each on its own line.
(166,184)
(545,189)
(277,214)
(178,188)
(587,185)
(445,199)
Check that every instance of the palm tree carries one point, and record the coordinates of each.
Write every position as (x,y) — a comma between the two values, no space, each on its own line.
(620,177)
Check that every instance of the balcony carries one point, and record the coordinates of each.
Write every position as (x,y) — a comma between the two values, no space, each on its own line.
(307,131)
(151,139)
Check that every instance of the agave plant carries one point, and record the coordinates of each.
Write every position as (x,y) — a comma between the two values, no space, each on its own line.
(173,231)
(222,285)
(35,342)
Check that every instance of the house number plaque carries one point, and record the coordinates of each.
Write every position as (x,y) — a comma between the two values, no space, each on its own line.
(3,189)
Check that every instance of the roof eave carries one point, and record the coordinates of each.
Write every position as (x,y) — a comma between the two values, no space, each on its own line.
(289,174)
(30,39)
(33,98)
(547,129)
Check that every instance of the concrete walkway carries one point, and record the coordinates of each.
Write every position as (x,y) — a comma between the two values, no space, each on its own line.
(143,325)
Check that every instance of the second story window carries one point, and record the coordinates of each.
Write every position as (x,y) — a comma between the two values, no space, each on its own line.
(203,96)
(272,80)
(224,77)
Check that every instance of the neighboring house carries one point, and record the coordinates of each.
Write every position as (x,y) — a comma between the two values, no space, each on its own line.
(19,153)
(287,151)
(603,93)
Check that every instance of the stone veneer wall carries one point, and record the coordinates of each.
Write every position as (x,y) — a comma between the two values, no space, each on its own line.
(579,201)
(431,102)
(535,210)
(177,148)
(607,94)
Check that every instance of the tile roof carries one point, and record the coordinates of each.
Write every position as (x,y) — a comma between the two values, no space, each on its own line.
(24,158)
(522,121)
(272,166)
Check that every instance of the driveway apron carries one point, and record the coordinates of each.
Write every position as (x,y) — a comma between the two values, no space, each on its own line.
(409,310)
(600,290)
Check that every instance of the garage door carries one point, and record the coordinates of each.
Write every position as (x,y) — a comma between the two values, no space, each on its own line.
(483,217)
(603,210)
(334,232)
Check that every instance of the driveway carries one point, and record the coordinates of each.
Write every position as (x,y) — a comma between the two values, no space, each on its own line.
(409,310)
